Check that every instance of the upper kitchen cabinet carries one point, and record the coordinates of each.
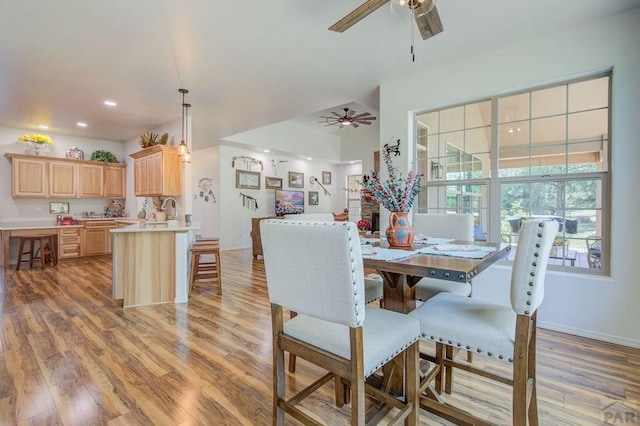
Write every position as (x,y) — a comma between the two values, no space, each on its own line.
(62,179)
(157,171)
(37,176)
(115,180)
(29,177)
(91,177)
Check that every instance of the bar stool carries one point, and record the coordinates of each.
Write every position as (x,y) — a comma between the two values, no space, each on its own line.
(205,271)
(44,252)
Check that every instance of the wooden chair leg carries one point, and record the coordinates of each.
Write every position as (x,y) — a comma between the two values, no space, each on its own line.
(521,370)
(448,371)
(533,398)
(412,381)
(440,362)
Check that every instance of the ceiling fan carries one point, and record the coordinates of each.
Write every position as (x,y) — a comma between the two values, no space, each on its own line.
(348,119)
(424,13)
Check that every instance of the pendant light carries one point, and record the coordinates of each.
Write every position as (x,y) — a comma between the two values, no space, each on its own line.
(183,148)
(186,158)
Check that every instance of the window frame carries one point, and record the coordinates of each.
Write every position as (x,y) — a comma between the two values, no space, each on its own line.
(494,182)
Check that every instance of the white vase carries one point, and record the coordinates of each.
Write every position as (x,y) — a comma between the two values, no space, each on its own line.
(38,148)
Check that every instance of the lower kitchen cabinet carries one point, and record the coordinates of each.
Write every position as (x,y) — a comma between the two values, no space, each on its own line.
(96,237)
(68,243)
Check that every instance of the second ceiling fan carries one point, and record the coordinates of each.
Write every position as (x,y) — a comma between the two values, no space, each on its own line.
(350,118)
(424,12)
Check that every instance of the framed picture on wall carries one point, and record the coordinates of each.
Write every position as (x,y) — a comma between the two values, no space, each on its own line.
(247,180)
(272,182)
(296,180)
(313,198)
(326,178)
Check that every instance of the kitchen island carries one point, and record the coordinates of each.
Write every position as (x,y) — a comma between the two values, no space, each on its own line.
(151,262)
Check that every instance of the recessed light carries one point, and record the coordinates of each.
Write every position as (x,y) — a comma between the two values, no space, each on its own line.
(309,158)
(110,103)
(266,150)
(43,126)
(81,124)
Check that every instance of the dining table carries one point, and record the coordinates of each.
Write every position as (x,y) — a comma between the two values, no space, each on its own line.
(401,275)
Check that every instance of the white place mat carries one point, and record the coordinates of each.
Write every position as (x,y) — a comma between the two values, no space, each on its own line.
(457,250)
(423,239)
(379,253)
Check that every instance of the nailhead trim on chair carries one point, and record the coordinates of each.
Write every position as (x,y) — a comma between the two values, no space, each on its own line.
(379,366)
(528,302)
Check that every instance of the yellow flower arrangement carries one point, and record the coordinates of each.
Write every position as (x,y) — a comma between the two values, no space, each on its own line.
(36,138)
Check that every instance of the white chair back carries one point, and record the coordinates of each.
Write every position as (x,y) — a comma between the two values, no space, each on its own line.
(318,217)
(315,269)
(530,265)
(457,226)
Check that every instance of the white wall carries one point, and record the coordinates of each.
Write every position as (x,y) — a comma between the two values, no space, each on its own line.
(235,220)
(599,307)
(293,138)
(206,164)
(12,209)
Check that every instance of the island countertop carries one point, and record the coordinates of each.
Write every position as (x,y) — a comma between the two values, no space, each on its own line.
(150,226)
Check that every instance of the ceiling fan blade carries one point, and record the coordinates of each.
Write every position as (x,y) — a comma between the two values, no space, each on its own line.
(355,125)
(429,24)
(336,114)
(363,121)
(364,114)
(350,113)
(357,15)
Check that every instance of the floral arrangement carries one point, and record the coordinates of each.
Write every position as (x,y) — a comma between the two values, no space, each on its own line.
(395,194)
(364,225)
(36,138)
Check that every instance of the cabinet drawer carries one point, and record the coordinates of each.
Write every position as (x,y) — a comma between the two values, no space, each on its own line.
(99,224)
(70,239)
(69,232)
(68,250)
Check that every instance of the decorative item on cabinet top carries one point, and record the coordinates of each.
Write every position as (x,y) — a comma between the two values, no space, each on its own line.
(75,152)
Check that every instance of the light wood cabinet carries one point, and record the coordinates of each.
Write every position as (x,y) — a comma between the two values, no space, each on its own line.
(63,181)
(115,181)
(68,243)
(96,237)
(29,177)
(36,176)
(157,171)
(91,178)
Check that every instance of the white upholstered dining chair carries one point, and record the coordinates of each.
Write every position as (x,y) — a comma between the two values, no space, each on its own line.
(316,270)
(506,333)
(373,286)
(456,226)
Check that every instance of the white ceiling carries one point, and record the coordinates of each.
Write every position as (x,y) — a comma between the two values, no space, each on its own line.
(247,63)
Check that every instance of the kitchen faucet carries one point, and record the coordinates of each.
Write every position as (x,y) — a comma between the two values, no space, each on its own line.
(175,206)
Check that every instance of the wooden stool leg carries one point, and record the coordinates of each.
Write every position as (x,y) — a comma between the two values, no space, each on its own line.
(54,251)
(192,274)
(31,246)
(20,250)
(43,262)
(219,267)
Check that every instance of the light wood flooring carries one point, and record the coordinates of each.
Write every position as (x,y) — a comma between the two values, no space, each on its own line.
(69,355)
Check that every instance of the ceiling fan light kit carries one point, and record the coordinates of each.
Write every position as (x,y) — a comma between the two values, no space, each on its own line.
(350,118)
(424,13)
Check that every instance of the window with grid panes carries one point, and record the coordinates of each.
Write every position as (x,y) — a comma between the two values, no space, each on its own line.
(542,152)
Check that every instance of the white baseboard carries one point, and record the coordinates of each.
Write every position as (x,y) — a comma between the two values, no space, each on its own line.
(590,334)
